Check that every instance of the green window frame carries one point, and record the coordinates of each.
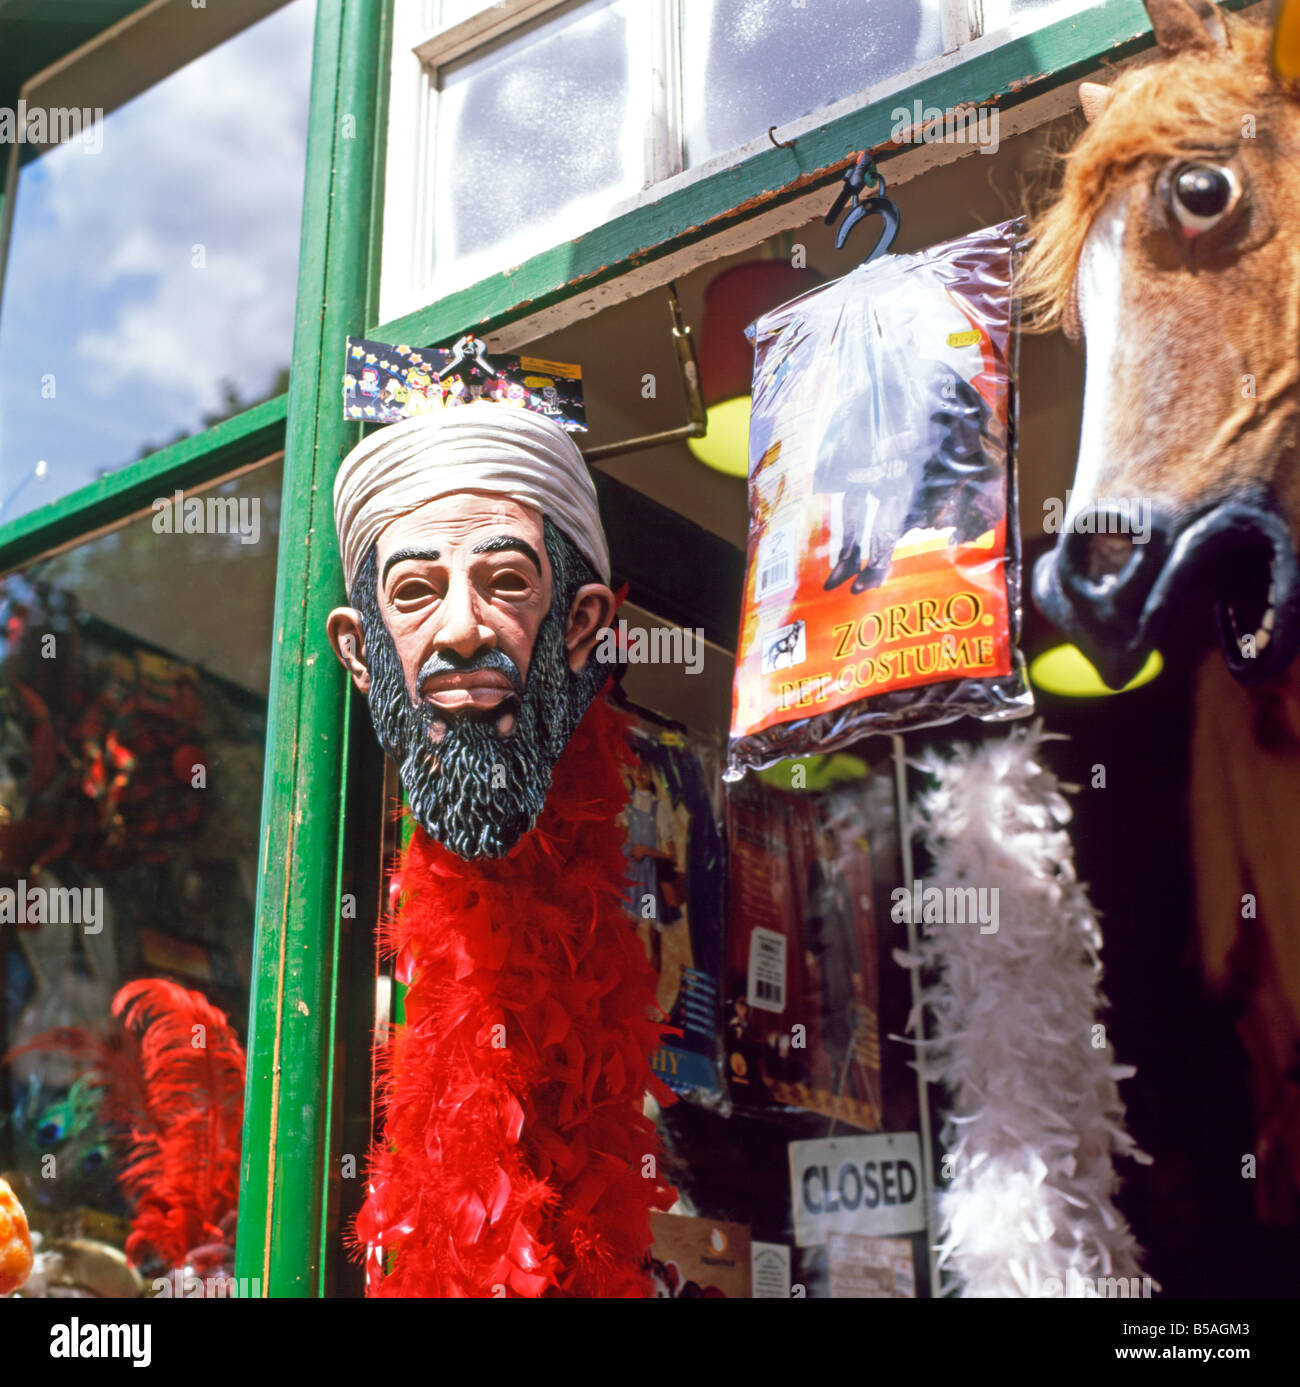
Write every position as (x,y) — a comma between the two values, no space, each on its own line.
(298,995)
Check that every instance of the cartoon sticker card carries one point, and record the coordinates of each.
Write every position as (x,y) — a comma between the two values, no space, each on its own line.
(383,384)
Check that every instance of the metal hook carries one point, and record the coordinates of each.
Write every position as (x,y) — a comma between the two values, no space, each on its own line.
(864,172)
(780,144)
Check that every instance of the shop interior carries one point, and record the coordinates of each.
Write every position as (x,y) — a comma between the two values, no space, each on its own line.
(1205,1230)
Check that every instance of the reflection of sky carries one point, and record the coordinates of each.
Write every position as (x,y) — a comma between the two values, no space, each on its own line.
(101,290)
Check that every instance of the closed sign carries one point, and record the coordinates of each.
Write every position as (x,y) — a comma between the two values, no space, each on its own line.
(865,1185)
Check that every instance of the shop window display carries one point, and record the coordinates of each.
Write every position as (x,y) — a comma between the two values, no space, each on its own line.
(816,1011)
(559,912)
(130,798)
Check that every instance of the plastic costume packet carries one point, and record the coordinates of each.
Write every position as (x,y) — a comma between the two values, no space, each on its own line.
(674,893)
(802,1028)
(882,588)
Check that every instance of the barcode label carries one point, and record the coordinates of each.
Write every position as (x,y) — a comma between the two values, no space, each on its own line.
(775,563)
(776,574)
(767,970)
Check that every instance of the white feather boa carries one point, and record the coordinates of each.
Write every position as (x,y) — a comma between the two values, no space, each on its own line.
(1035,1116)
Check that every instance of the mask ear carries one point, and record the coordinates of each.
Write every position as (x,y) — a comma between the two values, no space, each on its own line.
(1182,26)
(592,610)
(1094,97)
(343,627)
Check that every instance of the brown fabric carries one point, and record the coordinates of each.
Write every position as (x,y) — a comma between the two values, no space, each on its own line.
(1245,810)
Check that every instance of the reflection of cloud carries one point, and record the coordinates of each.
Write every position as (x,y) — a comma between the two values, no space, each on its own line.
(102,290)
(137,254)
(184,337)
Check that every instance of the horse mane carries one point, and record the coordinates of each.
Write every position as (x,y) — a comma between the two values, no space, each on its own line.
(1191,103)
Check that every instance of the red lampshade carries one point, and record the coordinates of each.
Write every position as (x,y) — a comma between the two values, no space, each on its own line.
(731,302)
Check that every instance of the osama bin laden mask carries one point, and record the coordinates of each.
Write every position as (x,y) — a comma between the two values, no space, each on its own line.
(478,576)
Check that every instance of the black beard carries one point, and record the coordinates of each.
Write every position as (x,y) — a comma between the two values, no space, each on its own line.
(471,789)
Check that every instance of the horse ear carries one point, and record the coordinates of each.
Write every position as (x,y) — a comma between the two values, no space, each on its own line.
(1183,25)
(1094,97)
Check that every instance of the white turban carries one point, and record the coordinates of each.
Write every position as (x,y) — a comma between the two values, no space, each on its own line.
(485,446)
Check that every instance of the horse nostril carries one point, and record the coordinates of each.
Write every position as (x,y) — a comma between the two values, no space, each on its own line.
(1106,565)
(1106,555)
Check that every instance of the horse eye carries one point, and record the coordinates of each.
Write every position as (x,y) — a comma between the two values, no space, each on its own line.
(1200,195)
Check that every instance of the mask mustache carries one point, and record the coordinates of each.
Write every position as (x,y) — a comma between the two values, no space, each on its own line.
(496,660)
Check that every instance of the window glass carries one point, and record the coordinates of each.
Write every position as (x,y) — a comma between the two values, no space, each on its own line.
(152,268)
(751,64)
(536,138)
(133,684)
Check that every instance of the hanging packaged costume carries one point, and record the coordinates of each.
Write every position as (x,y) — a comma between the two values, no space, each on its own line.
(674,895)
(802,992)
(882,585)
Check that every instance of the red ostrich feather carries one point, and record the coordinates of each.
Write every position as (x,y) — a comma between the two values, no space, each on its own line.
(173,1083)
(516,1157)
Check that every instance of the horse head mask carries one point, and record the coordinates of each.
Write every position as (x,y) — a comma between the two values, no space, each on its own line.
(1173,252)
(478,577)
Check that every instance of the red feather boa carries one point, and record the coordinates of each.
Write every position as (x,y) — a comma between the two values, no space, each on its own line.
(173,1096)
(516,1158)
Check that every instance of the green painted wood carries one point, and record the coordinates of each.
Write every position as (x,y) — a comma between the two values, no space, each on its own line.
(1025,67)
(226,447)
(352,1009)
(286,1131)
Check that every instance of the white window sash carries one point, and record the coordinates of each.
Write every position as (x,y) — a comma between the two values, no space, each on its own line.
(420,48)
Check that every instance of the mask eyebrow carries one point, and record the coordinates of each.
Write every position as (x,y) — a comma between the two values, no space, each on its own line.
(498,544)
(426,555)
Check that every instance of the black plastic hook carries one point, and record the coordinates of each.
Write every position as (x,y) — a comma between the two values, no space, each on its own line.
(467,351)
(864,171)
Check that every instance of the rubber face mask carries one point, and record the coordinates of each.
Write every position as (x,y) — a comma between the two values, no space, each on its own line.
(474,623)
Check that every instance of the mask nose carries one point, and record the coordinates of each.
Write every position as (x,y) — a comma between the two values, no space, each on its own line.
(1105,572)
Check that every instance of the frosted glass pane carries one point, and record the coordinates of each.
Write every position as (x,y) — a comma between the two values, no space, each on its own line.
(749,64)
(532,136)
